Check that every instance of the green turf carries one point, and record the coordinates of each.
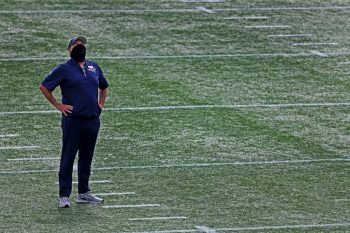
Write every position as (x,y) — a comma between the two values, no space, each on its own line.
(206,164)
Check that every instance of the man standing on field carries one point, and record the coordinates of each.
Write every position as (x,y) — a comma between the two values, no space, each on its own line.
(84,91)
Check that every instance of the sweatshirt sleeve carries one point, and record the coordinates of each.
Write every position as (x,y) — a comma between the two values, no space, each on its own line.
(53,79)
(103,84)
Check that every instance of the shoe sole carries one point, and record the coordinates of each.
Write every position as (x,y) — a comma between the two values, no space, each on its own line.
(64,206)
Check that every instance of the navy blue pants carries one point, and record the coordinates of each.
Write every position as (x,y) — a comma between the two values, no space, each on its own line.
(79,135)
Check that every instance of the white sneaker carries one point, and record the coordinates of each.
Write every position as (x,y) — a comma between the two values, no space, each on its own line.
(64,202)
(88,198)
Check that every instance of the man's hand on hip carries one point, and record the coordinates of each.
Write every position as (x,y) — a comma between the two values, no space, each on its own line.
(64,108)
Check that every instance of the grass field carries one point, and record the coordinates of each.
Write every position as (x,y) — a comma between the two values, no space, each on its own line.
(222,116)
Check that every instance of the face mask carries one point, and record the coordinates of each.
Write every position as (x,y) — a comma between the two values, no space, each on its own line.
(78,53)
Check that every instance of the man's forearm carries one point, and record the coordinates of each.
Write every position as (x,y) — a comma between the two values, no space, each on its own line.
(49,96)
(102,97)
(64,108)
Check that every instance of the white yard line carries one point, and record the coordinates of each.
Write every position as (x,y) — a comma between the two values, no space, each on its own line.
(33,159)
(318,53)
(8,135)
(158,218)
(273,162)
(250,228)
(27,172)
(138,11)
(33,59)
(96,182)
(293,35)
(109,11)
(303,226)
(205,229)
(266,26)
(228,106)
(306,8)
(202,1)
(314,44)
(115,194)
(246,17)
(131,206)
(344,63)
(93,182)
(206,10)
(199,56)
(158,108)
(192,165)
(18,147)
(30,112)
(165,231)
